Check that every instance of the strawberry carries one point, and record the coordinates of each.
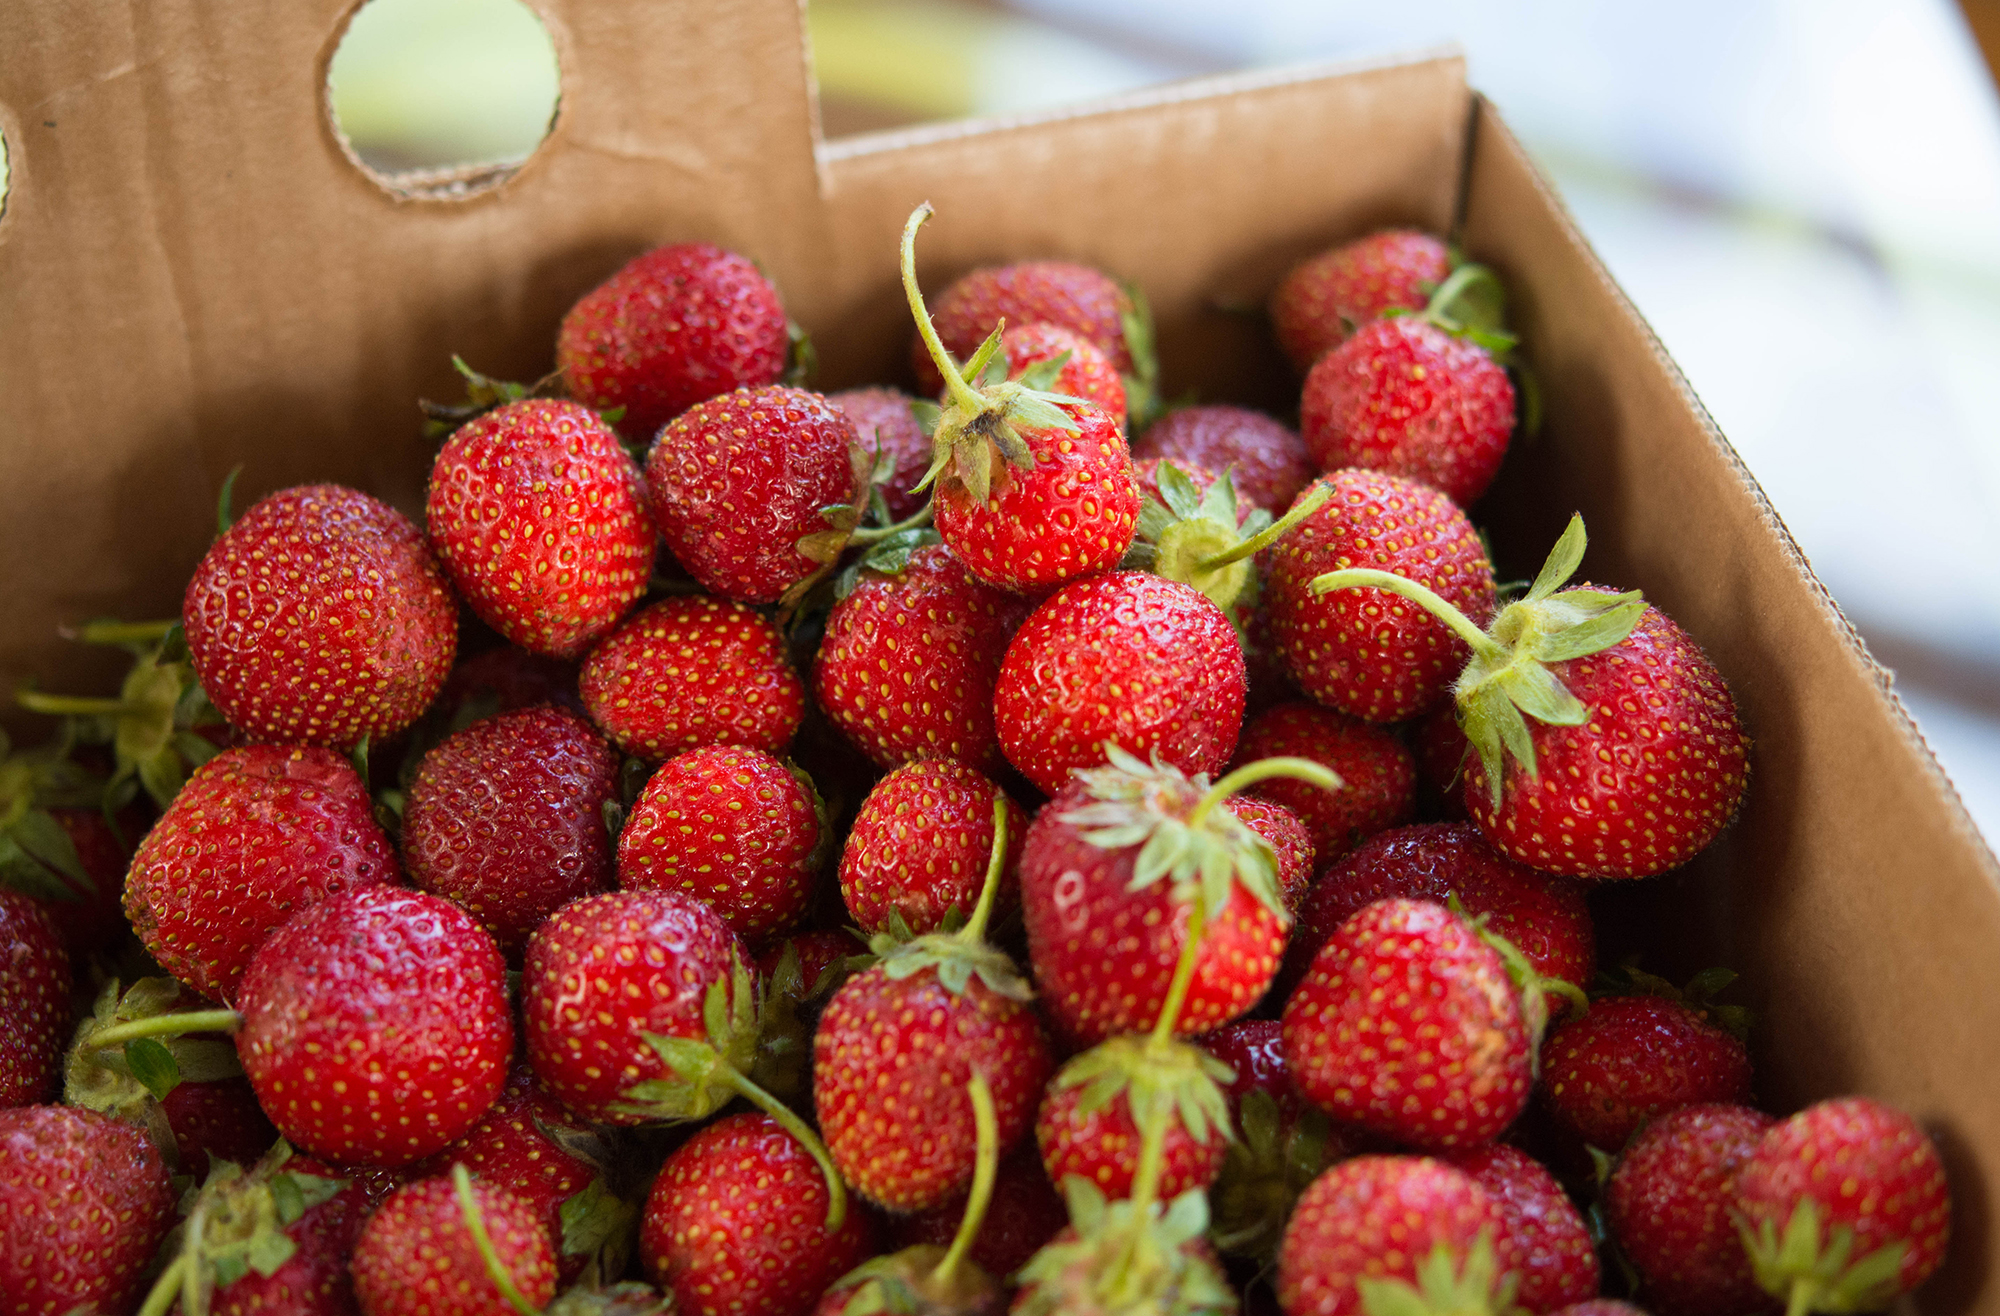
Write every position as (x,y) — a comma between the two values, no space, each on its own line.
(738,483)
(1609,744)
(216,1121)
(1127,659)
(909,659)
(1374,655)
(734,827)
(687,672)
(1395,1225)
(1546,1233)
(672,328)
(1290,841)
(1070,296)
(1376,773)
(1328,297)
(1024,1214)
(89,912)
(34,1001)
(1267,461)
(1408,1025)
(57,846)
(1091,1119)
(257,835)
(320,618)
(187,1090)
(887,426)
(1032,491)
(507,818)
(1442,753)
(440,1248)
(1668,1205)
(919,845)
(1633,1057)
(375,1025)
(87,1201)
(1059,360)
(1126,1257)
(1843,1207)
(504,679)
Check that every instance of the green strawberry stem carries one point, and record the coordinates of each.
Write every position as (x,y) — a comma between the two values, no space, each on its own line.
(77,705)
(1803,1298)
(836,1191)
(974,930)
(475,1223)
(1263,770)
(167,1289)
(165,1025)
(1170,1010)
(916,520)
(1314,500)
(985,1169)
(954,383)
(1461,625)
(124,632)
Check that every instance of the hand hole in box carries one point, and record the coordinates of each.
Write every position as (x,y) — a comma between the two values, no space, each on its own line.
(6,175)
(442,99)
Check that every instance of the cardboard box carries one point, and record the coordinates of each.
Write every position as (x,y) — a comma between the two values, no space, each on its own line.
(195,273)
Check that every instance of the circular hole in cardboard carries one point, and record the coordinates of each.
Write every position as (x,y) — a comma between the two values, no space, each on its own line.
(442,99)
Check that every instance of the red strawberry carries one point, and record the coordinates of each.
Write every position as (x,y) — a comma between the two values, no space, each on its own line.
(315,1279)
(1632,1057)
(738,483)
(257,835)
(1843,1207)
(1126,1257)
(1267,461)
(1558,1262)
(1085,301)
(507,818)
(1407,1024)
(732,826)
(816,952)
(1091,1119)
(1086,372)
(907,666)
(1394,1222)
(1376,773)
(1443,757)
(375,1025)
(674,327)
(1370,653)
(417,1255)
(919,847)
(217,1120)
(504,679)
(1325,299)
(886,426)
(1290,841)
(688,672)
(67,858)
(320,618)
(1668,1205)
(1024,1214)
(736,1223)
(1126,659)
(34,1001)
(86,1200)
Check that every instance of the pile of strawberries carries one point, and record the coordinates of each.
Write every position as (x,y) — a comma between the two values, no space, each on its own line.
(478,947)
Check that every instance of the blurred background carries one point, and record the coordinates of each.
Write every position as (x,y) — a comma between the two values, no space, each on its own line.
(1802,196)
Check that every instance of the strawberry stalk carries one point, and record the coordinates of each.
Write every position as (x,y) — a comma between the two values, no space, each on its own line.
(984,1171)
(1314,500)
(165,1025)
(1199,540)
(111,631)
(475,1224)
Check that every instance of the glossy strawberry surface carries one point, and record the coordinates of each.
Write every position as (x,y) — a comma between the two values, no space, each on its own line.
(1669,1205)
(1266,459)
(1290,840)
(886,427)
(417,1257)
(34,1001)
(1326,298)
(1633,1057)
(1547,1235)
(920,846)
(1072,296)
(1378,777)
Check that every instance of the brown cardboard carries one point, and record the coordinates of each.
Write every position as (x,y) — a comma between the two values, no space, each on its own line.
(193,274)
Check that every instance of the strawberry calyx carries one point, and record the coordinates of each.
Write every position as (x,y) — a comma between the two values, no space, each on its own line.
(1443,1287)
(887,556)
(958,953)
(1195,538)
(1161,1078)
(1144,402)
(1263,1173)
(600,1225)
(484,393)
(1134,1254)
(37,857)
(1508,679)
(845,528)
(1628,979)
(130,1053)
(1812,1269)
(1471,304)
(625,1298)
(1532,987)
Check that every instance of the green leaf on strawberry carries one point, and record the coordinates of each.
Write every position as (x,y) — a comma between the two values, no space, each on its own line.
(1815,1267)
(1444,1288)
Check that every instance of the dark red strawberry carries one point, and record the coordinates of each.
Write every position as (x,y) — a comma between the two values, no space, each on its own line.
(1378,778)
(888,428)
(907,666)
(34,1001)
(320,618)
(1408,1025)
(736,1223)
(1444,759)
(418,1255)
(674,327)
(1843,1207)
(919,848)
(1062,293)
(507,818)
(1326,298)
(1669,1206)
(688,672)
(1558,1262)
(1126,659)
(217,1120)
(738,483)
(1091,1118)
(1633,1057)
(375,1025)
(1024,1214)
(816,953)
(1266,460)
(504,679)
(731,826)
(87,1201)
(1289,838)
(257,835)
(1032,351)
(62,852)
(1370,653)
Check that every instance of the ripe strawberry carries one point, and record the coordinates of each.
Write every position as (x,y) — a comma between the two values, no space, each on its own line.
(1059,360)
(257,835)
(1668,1205)
(688,672)
(504,679)
(62,852)
(34,1001)
(738,482)
(1443,757)
(919,846)
(315,1279)
(1328,297)
(731,826)
(507,818)
(1547,1236)
(910,655)
(1267,461)
(736,1222)
(375,1025)
(674,327)
(1609,743)
(1843,1207)
(417,1255)
(87,1201)
(1290,841)
(216,1121)
(1127,659)
(887,426)
(1394,1223)
(1370,653)
(320,618)
(1024,1214)
(1126,1257)
(1093,1114)
(1075,297)
(1376,773)
(1633,1057)
(1407,1024)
